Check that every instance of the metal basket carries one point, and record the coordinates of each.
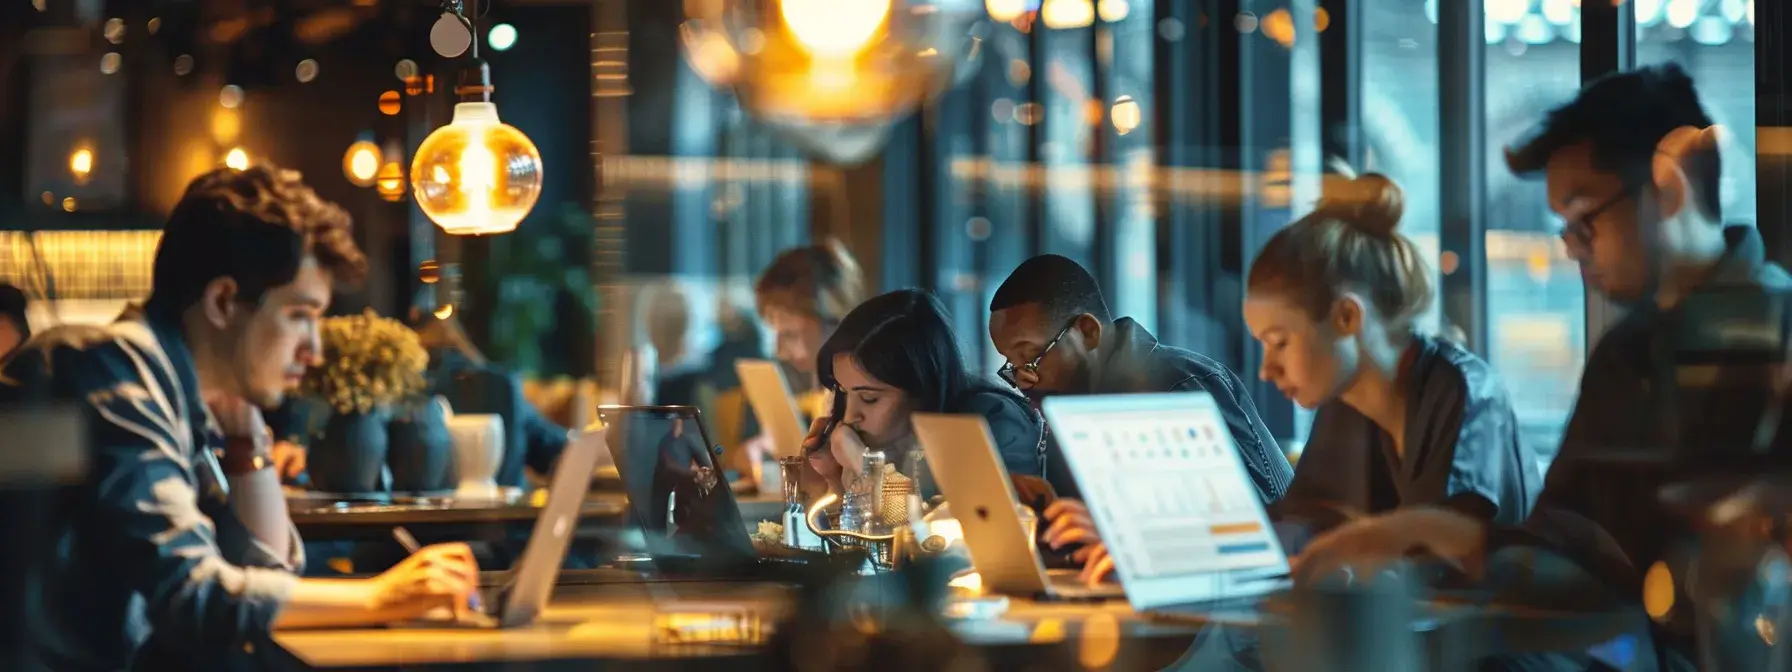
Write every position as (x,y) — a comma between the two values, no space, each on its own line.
(881,546)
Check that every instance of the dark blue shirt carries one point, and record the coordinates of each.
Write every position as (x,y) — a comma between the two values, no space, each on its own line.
(1462,448)
(153,569)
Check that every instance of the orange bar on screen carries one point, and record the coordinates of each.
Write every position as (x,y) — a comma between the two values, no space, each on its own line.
(1235,528)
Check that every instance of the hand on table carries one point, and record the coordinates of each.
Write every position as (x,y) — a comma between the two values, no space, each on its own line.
(1369,545)
(289,460)
(435,577)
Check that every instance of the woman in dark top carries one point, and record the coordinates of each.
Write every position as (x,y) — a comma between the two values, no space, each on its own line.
(1404,418)
(896,355)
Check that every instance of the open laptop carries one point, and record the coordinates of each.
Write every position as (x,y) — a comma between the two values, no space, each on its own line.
(964,462)
(1171,497)
(522,595)
(769,395)
(678,498)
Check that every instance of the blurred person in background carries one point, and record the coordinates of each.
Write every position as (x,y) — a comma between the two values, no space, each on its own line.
(177,551)
(801,297)
(894,356)
(14,328)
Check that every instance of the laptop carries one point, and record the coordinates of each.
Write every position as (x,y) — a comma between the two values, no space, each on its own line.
(1169,493)
(678,498)
(970,473)
(521,596)
(769,395)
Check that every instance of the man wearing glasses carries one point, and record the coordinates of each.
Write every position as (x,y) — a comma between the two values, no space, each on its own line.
(1049,320)
(1684,383)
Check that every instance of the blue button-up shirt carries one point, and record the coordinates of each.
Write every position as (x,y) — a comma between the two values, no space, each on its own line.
(152,570)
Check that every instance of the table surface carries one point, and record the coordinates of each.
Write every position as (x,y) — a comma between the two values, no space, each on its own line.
(615,622)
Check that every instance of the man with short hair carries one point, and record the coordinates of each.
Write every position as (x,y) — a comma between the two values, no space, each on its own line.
(177,551)
(1685,380)
(1049,320)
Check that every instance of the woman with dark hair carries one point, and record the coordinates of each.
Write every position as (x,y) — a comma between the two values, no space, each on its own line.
(893,356)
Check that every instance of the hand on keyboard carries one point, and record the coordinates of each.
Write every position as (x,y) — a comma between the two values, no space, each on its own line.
(1070,524)
(1098,566)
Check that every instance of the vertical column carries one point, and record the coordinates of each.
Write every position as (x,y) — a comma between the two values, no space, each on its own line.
(1462,119)
(1773,114)
(1130,154)
(1266,100)
(609,138)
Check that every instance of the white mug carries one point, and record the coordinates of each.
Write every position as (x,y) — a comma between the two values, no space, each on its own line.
(478,452)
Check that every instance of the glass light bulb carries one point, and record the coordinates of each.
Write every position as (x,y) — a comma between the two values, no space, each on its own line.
(361,163)
(477,175)
(834,28)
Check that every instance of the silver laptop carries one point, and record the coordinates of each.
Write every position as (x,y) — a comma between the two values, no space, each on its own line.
(769,395)
(964,462)
(522,596)
(1171,498)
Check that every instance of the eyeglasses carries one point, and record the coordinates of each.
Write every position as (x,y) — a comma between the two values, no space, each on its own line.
(1008,370)
(1578,232)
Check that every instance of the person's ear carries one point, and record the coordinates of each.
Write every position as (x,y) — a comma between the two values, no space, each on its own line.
(1091,330)
(1348,314)
(219,301)
(1681,147)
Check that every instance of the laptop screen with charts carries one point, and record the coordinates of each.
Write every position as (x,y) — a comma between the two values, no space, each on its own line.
(964,462)
(769,395)
(1170,496)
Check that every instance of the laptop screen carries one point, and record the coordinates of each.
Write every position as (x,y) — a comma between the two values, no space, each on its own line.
(678,498)
(1170,495)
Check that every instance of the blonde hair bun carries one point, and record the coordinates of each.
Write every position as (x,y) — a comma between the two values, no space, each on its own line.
(1371,203)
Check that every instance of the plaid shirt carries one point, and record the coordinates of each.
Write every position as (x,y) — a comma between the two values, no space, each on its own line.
(152,570)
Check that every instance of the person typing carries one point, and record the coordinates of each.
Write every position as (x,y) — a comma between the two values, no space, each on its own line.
(176,552)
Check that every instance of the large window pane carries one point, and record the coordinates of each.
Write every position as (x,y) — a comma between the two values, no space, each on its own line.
(1536,303)
(1400,108)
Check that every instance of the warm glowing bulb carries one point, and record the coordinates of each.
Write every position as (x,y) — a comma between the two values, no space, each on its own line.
(1067,14)
(834,28)
(445,312)
(1005,10)
(1126,115)
(476,176)
(81,163)
(1507,11)
(237,159)
(1681,13)
(1113,11)
(361,164)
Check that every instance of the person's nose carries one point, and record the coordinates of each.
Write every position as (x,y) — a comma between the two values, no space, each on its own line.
(1269,371)
(311,347)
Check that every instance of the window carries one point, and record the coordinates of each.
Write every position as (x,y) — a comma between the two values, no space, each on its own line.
(1536,302)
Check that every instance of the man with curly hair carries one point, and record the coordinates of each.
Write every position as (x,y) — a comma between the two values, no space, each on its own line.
(176,552)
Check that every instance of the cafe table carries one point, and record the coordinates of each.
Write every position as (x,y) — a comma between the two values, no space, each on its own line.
(618,625)
(614,625)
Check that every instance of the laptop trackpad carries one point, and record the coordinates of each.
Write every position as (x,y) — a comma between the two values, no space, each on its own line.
(1068,585)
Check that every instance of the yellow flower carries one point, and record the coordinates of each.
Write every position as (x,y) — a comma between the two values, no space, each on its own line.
(369,361)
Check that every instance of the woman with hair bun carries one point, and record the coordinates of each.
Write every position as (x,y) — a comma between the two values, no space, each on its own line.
(1404,417)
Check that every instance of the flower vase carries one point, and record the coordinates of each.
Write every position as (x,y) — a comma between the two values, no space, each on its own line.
(351,455)
(420,451)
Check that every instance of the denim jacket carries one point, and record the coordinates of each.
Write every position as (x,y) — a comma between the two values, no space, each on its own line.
(151,570)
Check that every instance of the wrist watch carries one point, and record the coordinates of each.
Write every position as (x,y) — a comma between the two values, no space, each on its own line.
(243,455)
